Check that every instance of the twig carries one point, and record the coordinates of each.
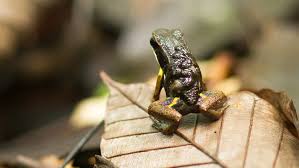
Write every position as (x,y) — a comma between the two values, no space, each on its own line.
(81,143)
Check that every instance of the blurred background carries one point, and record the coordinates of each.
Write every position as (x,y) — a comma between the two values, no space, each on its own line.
(52,50)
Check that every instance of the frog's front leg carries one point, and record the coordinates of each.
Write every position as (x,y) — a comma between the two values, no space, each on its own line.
(212,104)
(166,118)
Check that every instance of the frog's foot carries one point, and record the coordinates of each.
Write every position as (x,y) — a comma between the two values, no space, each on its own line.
(212,104)
(166,127)
(166,119)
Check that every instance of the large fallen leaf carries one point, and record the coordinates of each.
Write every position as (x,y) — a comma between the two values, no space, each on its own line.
(250,134)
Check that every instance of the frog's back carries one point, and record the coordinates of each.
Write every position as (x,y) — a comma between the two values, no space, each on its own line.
(183,76)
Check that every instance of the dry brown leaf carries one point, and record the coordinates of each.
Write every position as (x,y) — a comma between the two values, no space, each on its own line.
(250,134)
(285,106)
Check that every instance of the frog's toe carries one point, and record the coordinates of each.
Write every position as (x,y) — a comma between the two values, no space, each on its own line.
(214,114)
(166,127)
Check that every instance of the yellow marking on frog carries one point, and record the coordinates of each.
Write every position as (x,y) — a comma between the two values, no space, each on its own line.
(159,84)
(202,95)
(160,72)
(174,102)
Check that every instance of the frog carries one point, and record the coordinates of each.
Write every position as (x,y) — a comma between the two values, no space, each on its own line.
(181,78)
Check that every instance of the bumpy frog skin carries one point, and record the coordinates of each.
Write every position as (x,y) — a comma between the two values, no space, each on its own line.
(182,74)
(181,78)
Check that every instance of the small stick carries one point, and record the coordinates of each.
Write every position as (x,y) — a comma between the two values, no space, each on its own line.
(81,143)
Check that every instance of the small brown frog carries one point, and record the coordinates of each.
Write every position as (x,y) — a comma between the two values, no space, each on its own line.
(181,78)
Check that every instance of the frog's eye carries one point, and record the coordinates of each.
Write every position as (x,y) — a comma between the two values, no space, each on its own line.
(178,34)
(158,53)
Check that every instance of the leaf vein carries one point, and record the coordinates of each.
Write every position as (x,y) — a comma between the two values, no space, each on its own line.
(249,133)
(195,128)
(129,135)
(117,107)
(220,132)
(131,119)
(148,150)
(196,164)
(279,146)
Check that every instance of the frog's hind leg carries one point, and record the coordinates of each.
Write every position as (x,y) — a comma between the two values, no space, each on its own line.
(166,119)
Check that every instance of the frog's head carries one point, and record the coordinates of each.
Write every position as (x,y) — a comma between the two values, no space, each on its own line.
(165,43)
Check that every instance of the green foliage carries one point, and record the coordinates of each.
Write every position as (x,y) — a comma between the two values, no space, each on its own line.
(101,90)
